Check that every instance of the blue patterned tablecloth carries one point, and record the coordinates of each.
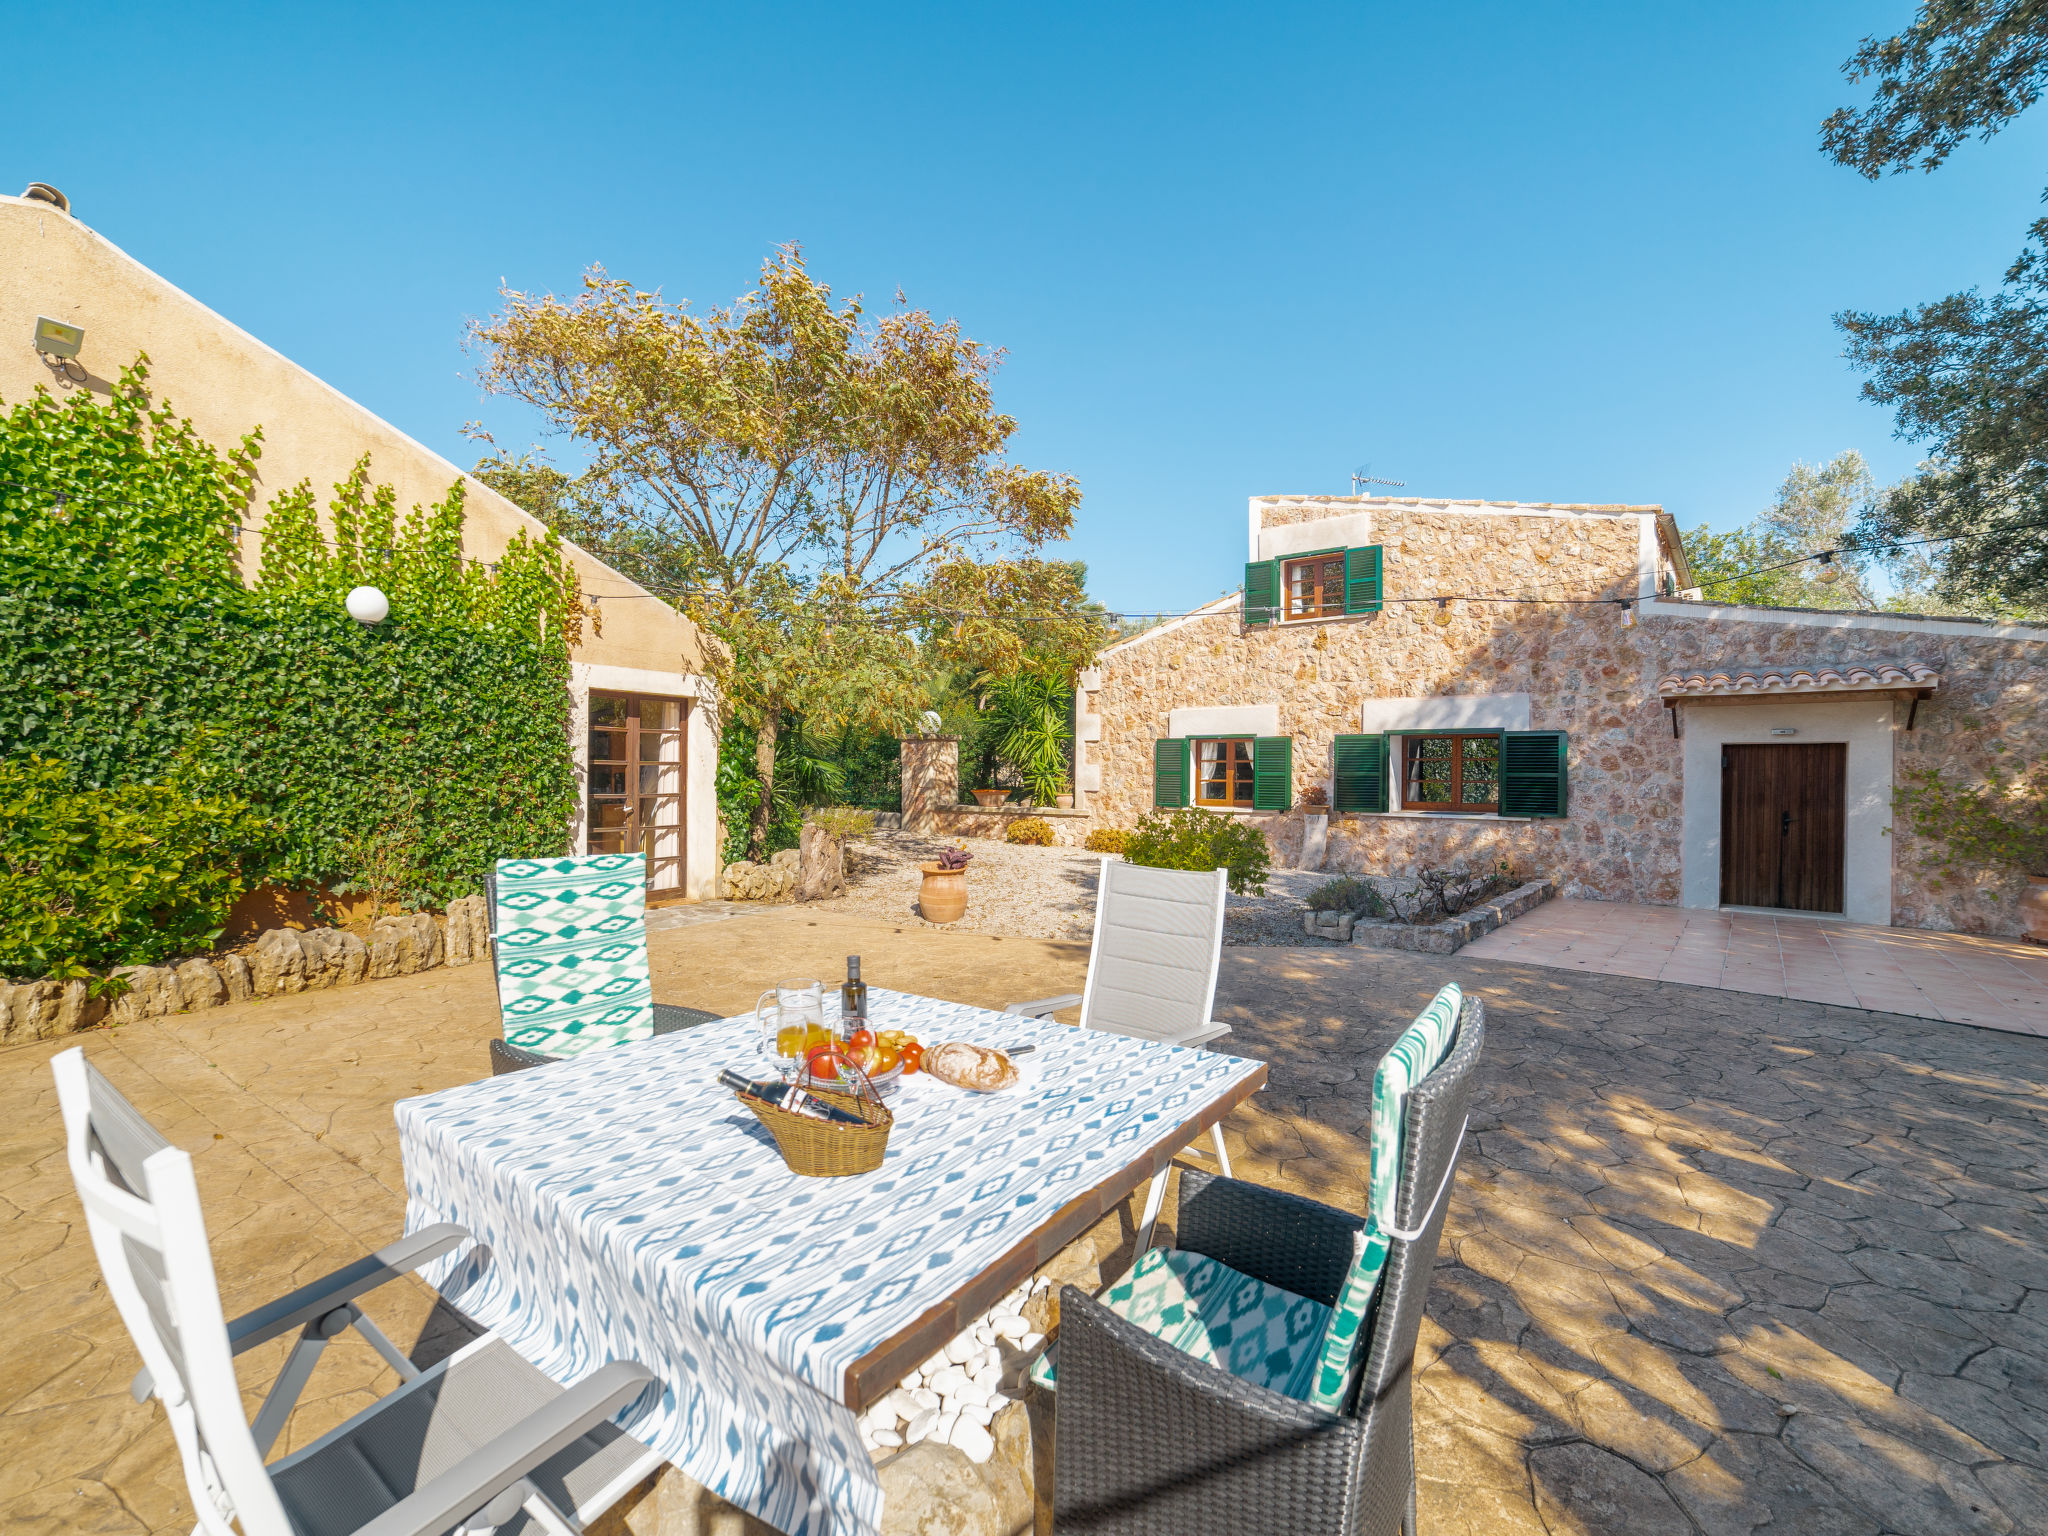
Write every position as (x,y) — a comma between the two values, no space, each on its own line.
(632,1209)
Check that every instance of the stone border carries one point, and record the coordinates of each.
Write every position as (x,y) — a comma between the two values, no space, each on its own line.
(282,961)
(1444,938)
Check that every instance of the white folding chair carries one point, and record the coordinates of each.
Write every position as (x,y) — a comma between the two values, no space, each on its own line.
(480,1442)
(1152,973)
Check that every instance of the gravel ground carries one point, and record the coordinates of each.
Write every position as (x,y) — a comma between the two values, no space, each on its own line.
(1041,893)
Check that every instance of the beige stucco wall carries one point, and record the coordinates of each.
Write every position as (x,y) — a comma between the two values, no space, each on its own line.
(227,382)
(1581,670)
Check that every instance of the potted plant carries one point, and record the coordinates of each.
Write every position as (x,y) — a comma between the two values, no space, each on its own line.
(990,799)
(943,897)
(2003,821)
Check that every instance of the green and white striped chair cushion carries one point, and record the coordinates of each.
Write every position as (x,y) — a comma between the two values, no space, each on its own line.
(1253,1330)
(1414,1056)
(571,953)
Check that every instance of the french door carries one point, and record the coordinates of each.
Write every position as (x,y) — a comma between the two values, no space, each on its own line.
(636,783)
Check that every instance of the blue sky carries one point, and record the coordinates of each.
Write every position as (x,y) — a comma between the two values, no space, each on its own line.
(1554,252)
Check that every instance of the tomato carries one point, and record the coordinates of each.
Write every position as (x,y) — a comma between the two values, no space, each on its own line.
(913,1058)
(859,1038)
(823,1064)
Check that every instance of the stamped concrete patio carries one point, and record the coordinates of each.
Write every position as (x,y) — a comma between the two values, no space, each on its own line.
(1717,1262)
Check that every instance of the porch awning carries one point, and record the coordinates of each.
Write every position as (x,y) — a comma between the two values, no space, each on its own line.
(1915,677)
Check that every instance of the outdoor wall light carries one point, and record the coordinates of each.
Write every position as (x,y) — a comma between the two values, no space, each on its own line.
(56,339)
(1829,572)
(367,605)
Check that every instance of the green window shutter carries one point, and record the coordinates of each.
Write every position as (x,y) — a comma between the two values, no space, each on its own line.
(1362,592)
(1361,774)
(1272,773)
(1261,592)
(1532,773)
(1170,772)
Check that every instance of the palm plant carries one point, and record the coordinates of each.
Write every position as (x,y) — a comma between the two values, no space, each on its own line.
(1026,722)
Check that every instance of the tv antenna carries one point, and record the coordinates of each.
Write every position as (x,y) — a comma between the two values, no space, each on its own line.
(1363,476)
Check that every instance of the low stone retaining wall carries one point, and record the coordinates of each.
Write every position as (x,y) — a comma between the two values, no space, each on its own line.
(1444,938)
(281,962)
(1069,828)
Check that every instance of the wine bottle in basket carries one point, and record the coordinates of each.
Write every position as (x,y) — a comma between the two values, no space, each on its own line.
(853,999)
(790,1097)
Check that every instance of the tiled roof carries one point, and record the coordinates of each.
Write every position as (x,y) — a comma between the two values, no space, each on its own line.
(1827,677)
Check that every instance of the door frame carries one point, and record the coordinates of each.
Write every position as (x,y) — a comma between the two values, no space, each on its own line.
(702,721)
(635,765)
(1867,724)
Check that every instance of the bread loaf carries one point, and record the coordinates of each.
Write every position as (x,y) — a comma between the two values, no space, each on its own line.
(979,1067)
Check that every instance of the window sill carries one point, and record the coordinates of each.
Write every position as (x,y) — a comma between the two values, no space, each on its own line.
(1431,815)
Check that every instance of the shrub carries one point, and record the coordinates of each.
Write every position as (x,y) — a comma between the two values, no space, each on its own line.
(1034,831)
(94,878)
(1107,840)
(2002,821)
(842,821)
(1347,893)
(1197,839)
(1315,797)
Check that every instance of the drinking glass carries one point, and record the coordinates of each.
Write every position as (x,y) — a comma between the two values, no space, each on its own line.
(793,1025)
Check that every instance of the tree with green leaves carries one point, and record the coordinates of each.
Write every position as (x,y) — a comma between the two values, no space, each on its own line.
(825,491)
(1762,563)
(1967,373)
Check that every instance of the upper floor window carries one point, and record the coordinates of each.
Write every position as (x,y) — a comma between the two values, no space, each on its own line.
(1450,773)
(1223,772)
(1314,587)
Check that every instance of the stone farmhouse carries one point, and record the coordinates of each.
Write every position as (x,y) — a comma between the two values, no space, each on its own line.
(644,723)
(1472,681)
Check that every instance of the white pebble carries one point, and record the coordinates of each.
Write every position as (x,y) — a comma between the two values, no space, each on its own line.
(921,1397)
(962,1348)
(991,1360)
(973,1441)
(1010,1325)
(937,1362)
(888,1439)
(949,1381)
(1031,1341)
(920,1427)
(986,1381)
(977,1413)
(945,1429)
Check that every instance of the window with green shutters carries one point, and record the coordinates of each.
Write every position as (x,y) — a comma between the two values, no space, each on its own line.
(1170,772)
(1533,779)
(1323,584)
(1243,773)
(1359,776)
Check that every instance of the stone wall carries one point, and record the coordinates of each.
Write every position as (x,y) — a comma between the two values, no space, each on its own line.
(930,771)
(282,961)
(1587,673)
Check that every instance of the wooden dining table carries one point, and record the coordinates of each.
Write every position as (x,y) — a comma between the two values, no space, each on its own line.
(628,1207)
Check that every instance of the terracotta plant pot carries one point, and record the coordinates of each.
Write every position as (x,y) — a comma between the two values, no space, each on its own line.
(2034,909)
(944,896)
(1064,802)
(990,799)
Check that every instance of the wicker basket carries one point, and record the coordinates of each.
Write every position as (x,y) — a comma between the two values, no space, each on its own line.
(825,1149)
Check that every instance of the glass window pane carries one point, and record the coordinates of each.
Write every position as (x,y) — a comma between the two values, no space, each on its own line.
(607,813)
(607,746)
(607,781)
(1481,770)
(1429,770)
(607,709)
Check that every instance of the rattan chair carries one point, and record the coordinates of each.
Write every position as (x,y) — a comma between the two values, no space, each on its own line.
(506,1057)
(1151,1440)
(480,1440)
(1152,972)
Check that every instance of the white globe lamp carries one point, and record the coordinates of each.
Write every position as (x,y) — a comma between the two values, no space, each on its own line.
(930,721)
(367,605)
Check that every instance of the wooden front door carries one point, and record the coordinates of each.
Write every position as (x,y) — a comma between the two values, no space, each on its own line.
(636,784)
(1781,825)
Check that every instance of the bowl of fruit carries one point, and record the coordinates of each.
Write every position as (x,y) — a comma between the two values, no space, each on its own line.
(886,1057)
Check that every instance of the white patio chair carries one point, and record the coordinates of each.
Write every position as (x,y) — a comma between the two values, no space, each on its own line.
(1152,972)
(481,1441)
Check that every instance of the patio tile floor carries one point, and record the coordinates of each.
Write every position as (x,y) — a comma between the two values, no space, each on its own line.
(1956,977)
(1714,1262)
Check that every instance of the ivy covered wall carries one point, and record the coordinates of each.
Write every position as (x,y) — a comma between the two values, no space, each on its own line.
(398,759)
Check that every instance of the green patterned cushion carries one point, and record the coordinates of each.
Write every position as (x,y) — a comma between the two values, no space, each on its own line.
(571,953)
(1413,1057)
(1253,1330)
